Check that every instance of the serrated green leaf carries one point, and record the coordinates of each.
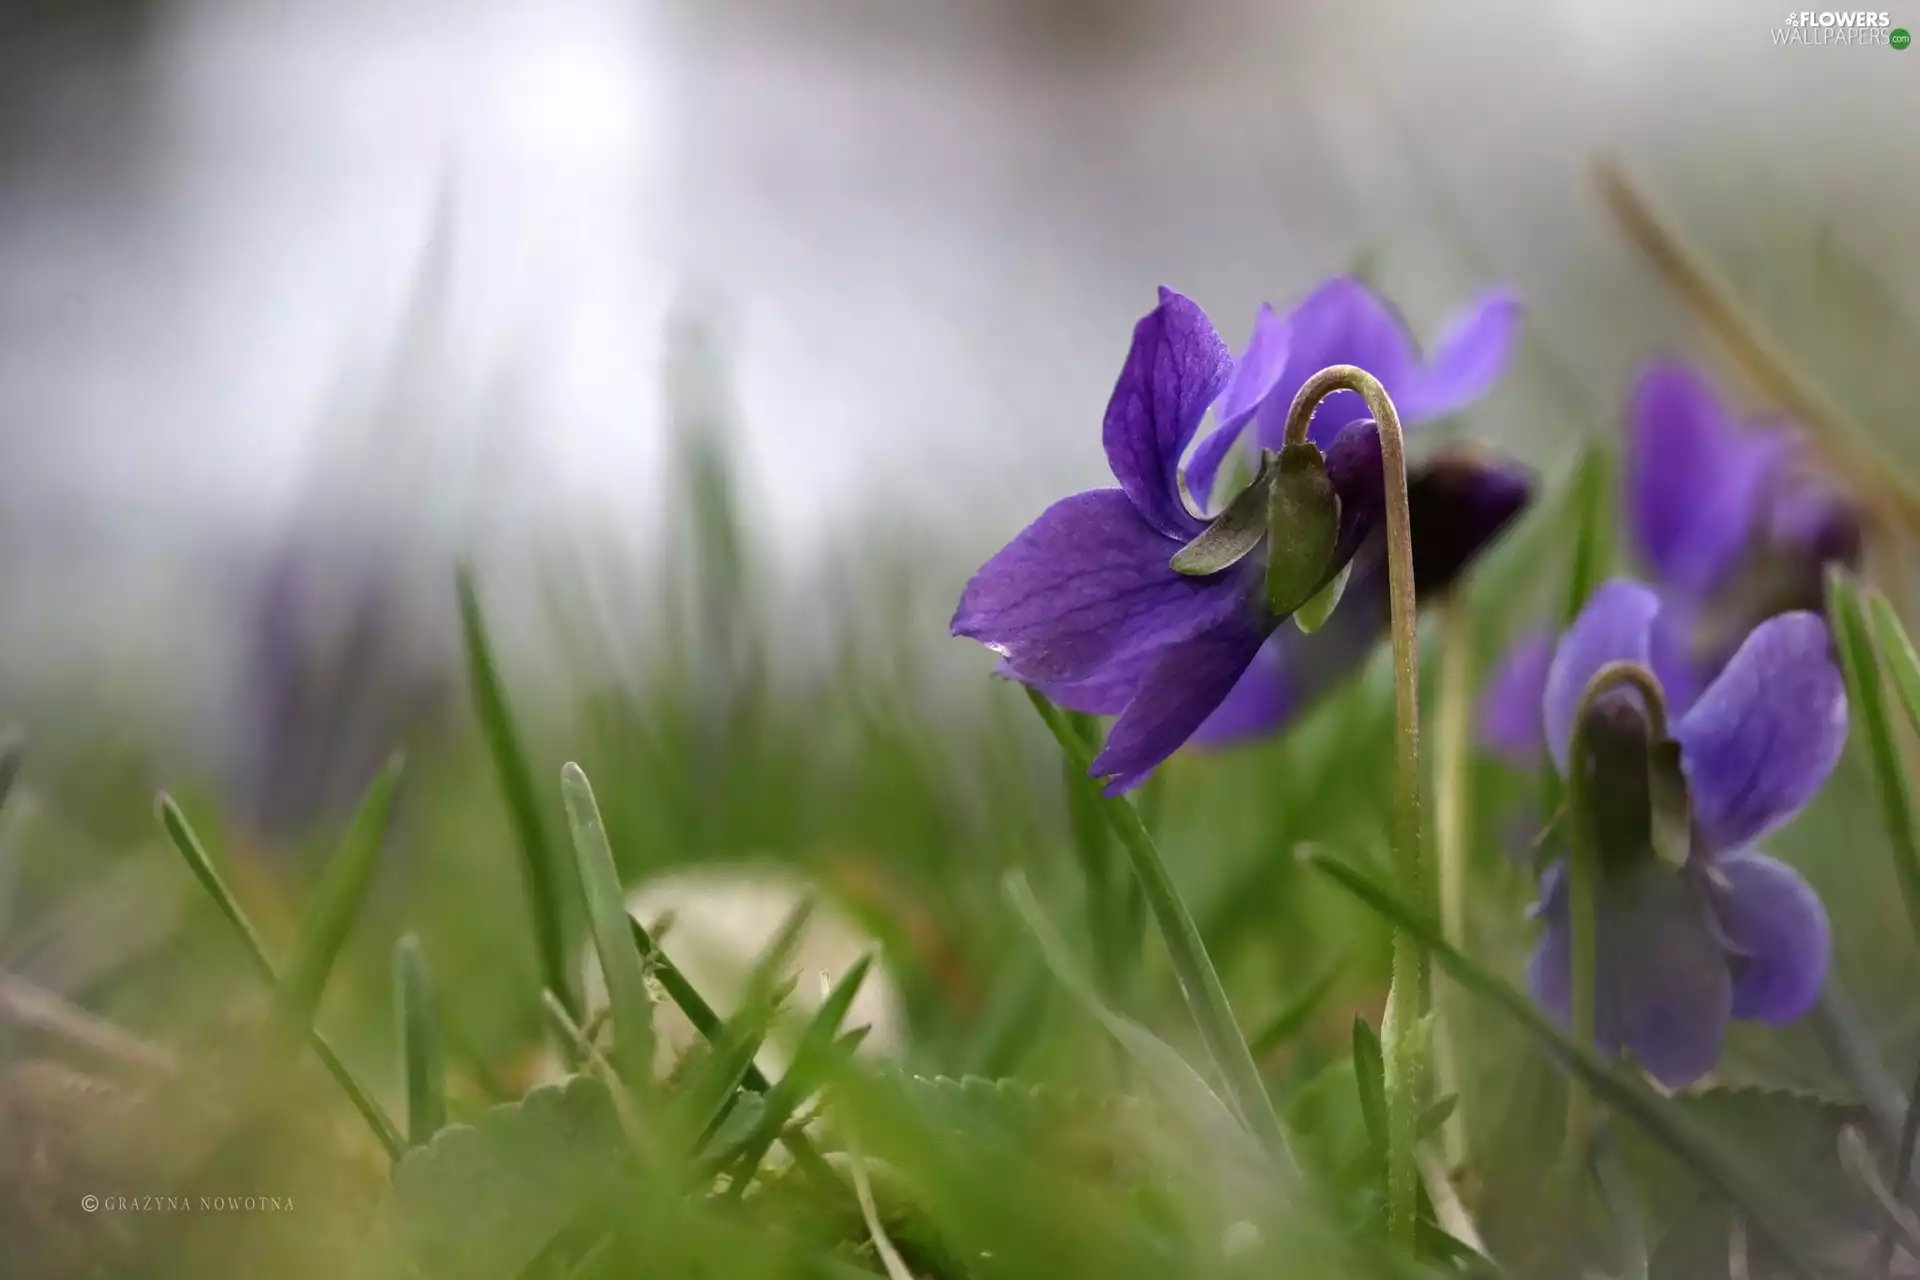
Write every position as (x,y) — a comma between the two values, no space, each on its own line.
(482,1201)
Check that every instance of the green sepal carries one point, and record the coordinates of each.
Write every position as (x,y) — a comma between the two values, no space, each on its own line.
(1234,532)
(1670,810)
(1312,615)
(1303,524)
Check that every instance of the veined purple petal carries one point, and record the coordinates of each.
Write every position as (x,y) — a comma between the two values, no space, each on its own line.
(1174,371)
(1615,626)
(1509,714)
(1181,688)
(1259,368)
(1341,322)
(1261,700)
(1766,733)
(1778,931)
(1695,479)
(1467,360)
(1087,584)
(1662,988)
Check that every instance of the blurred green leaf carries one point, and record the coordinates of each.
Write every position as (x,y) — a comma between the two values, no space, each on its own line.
(612,931)
(182,835)
(1178,1085)
(813,1058)
(539,867)
(483,1201)
(1370,1082)
(1291,1018)
(422,1059)
(1867,696)
(343,886)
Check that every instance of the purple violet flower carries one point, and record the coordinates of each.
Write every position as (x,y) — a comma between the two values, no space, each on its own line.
(1729,933)
(1085,606)
(1730,519)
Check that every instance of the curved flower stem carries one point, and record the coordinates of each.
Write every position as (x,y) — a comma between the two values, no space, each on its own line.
(1404,1025)
(1582,872)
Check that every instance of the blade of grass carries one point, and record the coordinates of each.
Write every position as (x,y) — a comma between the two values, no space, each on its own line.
(343,886)
(710,1026)
(1370,1080)
(811,1059)
(182,835)
(539,866)
(10,747)
(612,930)
(1627,1095)
(1291,1018)
(1866,692)
(422,1060)
(1206,998)
(1180,1087)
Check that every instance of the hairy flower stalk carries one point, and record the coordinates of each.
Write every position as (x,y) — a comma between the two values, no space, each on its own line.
(1583,870)
(1405,1023)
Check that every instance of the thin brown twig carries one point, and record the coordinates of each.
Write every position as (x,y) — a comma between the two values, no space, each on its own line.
(29,1005)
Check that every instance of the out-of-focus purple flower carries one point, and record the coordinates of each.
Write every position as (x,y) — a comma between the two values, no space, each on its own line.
(1729,933)
(1344,322)
(1731,520)
(1085,606)
(336,677)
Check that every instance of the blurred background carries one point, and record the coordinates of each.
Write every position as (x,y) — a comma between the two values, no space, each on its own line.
(723,340)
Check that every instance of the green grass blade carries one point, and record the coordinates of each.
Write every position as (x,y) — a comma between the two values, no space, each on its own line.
(188,843)
(9,763)
(1593,531)
(1370,1080)
(1627,1095)
(343,886)
(612,929)
(421,1057)
(709,1024)
(1292,1017)
(540,869)
(812,1058)
(1180,1087)
(1867,697)
(1199,983)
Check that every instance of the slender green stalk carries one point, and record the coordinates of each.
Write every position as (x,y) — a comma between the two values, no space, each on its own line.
(1452,820)
(1846,446)
(1199,983)
(538,866)
(336,902)
(1406,1019)
(1583,872)
(1867,697)
(183,838)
